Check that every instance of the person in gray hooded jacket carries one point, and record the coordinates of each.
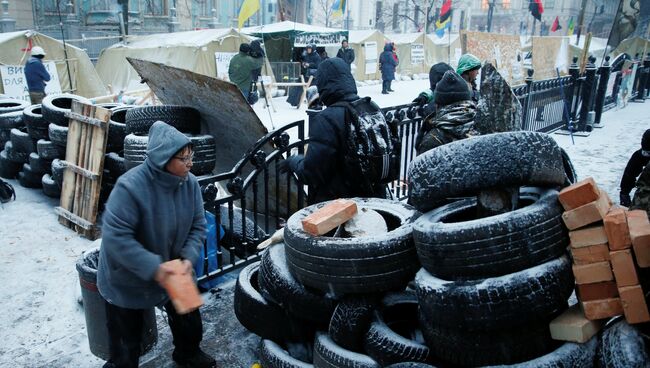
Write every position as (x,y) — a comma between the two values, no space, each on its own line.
(153,215)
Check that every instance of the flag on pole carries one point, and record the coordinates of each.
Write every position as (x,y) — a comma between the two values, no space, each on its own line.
(536,9)
(569,32)
(248,8)
(556,24)
(338,7)
(444,20)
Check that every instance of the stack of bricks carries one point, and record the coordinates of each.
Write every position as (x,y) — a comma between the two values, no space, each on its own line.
(607,245)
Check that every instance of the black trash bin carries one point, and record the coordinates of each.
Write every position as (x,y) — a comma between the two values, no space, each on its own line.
(95,310)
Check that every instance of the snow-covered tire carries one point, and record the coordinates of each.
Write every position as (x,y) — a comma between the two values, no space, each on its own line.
(28,178)
(50,188)
(567,355)
(48,150)
(135,150)
(205,154)
(569,170)
(184,118)
(385,340)
(9,121)
(329,355)
(117,129)
(21,141)
(622,346)
(58,135)
(58,169)
(453,245)
(243,234)
(351,320)
(273,355)
(465,167)
(114,164)
(11,105)
(36,125)
(39,165)
(15,156)
(8,169)
(378,263)
(110,105)
(410,365)
(54,107)
(277,284)
(496,303)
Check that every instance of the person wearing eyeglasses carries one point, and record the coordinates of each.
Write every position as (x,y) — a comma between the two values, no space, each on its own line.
(154,214)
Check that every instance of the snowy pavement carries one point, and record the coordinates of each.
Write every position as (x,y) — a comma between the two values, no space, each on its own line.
(42,325)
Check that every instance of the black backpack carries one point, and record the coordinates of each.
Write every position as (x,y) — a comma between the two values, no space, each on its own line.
(373,149)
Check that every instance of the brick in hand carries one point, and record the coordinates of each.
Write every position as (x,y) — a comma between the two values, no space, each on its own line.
(329,216)
(618,234)
(579,194)
(639,226)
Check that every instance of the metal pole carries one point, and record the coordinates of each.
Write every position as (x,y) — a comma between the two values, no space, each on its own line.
(490,15)
(65,47)
(605,71)
(574,72)
(526,107)
(581,19)
(587,88)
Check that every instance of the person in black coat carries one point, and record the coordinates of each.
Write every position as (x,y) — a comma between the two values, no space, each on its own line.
(388,63)
(633,168)
(321,168)
(346,53)
(310,61)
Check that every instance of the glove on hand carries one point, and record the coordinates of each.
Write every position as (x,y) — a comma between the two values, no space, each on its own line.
(625,200)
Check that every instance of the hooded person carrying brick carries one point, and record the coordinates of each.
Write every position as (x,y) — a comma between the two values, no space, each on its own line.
(634,167)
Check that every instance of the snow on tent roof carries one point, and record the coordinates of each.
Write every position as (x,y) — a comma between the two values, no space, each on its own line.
(596,44)
(189,38)
(403,37)
(360,36)
(288,26)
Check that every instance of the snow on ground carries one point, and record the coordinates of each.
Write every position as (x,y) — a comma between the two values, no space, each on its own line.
(42,325)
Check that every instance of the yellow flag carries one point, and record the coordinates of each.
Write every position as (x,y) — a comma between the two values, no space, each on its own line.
(248,8)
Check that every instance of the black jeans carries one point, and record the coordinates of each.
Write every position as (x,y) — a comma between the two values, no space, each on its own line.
(385,85)
(125,333)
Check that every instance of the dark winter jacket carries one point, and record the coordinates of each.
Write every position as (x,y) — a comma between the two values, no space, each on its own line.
(151,217)
(450,123)
(346,54)
(312,59)
(641,199)
(634,167)
(36,75)
(240,71)
(321,168)
(387,63)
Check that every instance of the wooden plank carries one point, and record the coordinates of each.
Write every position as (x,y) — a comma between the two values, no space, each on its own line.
(73,218)
(72,154)
(81,171)
(98,148)
(81,162)
(85,119)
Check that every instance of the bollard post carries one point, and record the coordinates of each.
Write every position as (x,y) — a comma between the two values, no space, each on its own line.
(637,76)
(605,71)
(574,90)
(646,63)
(587,89)
(529,89)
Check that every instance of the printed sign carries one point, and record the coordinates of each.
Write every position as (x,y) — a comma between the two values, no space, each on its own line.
(417,53)
(320,39)
(15,83)
(223,61)
(371,57)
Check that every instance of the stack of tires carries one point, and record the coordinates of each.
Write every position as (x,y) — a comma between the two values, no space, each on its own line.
(341,300)
(11,117)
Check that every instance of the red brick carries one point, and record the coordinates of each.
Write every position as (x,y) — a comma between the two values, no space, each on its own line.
(593,272)
(579,194)
(572,325)
(618,234)
(597,291)
(592,235)
(639,226)
(624,268)
(634,304)
(329,216)
(590,254)
(182,289)
(588,213)
(605,308)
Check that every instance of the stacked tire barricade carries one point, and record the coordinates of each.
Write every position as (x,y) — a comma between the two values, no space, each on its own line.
(444,284)
(34,140)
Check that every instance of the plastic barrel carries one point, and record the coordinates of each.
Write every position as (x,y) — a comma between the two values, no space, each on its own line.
(95,310)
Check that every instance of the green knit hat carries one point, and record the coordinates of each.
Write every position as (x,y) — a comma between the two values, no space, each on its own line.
(467,62)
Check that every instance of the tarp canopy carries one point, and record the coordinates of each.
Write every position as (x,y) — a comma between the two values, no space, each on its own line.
(367,46)
(281,38)
(191,50)
(83,79)
(445,49)
(417,51)
(632,46)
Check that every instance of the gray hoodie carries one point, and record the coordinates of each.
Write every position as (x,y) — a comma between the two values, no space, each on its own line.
(151,217)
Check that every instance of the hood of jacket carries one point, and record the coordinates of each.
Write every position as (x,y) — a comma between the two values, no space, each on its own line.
(164,142)
(388,47)
(436,72)
(335,81)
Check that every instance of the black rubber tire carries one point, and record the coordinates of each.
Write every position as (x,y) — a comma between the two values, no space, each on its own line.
(117,129)
(21,141)
(48,150)
(50,188)
(54,107)
(205,154)
(58,135)
(243,236)
(329,355)
(8,169)
(273,355)
(453,245)
(494,347)
(622,346)
(364,265)
(351,320)
(277,284)
(569,170)
(114,163)
(28,178)
(410,365)
(464,167)
(110,105)
(567,355)
(496,303)
(58,169)
(135,150)
(38,165)
(184,118)
(394,335)
(11,105)
(15,156)
(261,316)
(9,121)
(36,125)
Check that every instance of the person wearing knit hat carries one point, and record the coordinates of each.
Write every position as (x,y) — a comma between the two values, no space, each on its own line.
(634,167)
(425,98)
(454,117)
(240,69)
(468,67)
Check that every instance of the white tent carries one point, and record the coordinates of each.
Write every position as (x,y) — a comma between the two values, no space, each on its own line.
(367,45)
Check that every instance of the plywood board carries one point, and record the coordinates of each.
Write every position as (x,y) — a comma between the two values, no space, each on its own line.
(500,50)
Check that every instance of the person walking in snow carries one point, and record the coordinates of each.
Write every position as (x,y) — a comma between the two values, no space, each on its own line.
(454,116)
(36,75)
(468,67)
(634,167)
(387,65)
(154,214)
(346,53)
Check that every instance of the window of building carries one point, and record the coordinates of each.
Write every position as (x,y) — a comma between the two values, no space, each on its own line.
(203,8)
(155,7)
(549,4)
(50,6)
(270,8)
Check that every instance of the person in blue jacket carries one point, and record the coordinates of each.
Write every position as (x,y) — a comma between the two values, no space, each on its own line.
(388,63)
(154,214)
(36,75)
(310,61)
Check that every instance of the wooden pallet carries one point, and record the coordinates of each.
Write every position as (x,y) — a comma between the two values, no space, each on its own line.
(84,165)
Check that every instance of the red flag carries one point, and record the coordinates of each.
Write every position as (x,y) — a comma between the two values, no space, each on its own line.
(536,9)
(556,24)
(445,11)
